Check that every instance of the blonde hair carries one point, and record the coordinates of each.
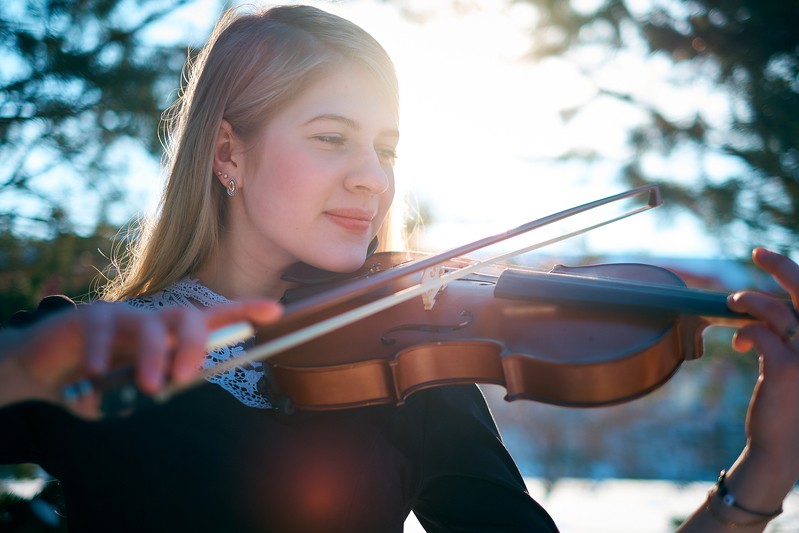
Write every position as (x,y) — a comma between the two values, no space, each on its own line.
(252,66)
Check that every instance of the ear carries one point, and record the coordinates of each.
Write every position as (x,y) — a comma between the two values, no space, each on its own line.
(228,155)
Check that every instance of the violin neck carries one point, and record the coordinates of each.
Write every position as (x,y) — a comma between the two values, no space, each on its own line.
(618,295)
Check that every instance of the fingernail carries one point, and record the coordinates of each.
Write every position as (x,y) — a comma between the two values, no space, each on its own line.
(156,381)
(765,251)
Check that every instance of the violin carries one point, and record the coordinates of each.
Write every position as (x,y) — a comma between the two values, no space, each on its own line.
(574,336)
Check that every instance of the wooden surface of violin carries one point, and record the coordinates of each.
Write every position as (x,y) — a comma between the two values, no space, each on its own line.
(561,337)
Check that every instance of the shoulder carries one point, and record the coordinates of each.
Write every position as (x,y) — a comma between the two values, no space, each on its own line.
(187,292)
(47,306)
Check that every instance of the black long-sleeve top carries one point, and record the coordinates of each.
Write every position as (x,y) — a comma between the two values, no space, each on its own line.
(205,462)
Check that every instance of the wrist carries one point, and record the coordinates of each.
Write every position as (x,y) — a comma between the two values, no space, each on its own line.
(724,508)
(751,492)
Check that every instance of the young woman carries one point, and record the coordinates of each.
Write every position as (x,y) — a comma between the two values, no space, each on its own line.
(280,154)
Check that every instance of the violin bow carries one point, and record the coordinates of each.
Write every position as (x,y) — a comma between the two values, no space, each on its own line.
(433,279)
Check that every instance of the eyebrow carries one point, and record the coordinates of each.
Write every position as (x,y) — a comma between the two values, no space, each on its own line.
(349,123)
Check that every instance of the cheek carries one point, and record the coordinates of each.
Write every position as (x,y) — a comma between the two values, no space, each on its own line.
(280,177)
(387,198)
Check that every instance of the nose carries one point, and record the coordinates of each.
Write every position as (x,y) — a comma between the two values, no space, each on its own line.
(370,173)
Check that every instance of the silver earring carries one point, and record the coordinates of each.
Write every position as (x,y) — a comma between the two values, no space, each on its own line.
(231,187)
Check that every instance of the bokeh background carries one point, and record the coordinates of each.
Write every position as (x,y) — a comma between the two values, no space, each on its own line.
(511,109)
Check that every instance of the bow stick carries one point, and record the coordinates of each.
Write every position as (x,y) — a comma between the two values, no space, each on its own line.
(432,280)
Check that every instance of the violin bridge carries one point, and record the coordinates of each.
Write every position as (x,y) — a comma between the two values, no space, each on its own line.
(430,276)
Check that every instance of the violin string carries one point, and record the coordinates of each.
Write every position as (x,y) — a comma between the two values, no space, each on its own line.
(318,329)
(349,292)
(651,192)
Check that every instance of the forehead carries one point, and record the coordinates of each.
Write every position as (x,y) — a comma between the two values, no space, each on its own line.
(348,91)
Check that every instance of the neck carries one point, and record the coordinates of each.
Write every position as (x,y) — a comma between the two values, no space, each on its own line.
(242,275)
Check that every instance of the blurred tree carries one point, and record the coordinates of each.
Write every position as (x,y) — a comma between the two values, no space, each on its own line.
(748,48)
(60,262)
(82,86)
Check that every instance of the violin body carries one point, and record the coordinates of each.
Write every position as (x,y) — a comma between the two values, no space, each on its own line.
(574,348)
(584,336)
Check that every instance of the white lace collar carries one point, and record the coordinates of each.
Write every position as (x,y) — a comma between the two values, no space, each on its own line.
(241,382)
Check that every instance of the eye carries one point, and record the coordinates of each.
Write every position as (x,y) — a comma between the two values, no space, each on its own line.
(387,153)
(335,140)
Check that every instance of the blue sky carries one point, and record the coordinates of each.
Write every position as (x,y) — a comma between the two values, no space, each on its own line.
(482,126)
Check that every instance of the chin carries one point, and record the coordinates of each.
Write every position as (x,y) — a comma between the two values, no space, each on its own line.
(347,266)
(340,260)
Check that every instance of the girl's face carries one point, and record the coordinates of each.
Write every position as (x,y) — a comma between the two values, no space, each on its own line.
(321,179)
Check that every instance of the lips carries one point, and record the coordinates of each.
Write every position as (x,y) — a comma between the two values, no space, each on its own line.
(351,219)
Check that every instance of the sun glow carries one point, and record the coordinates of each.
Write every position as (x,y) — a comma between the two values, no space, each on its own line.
(483,126)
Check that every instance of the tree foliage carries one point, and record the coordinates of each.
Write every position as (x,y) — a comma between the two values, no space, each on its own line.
(61,262)
(750,49)
(81,86)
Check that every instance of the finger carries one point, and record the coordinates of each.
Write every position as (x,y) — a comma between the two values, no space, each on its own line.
(785,271)
(760,338)
(190,331)
(779,316)
(152,350)
(778,360)
(99,331)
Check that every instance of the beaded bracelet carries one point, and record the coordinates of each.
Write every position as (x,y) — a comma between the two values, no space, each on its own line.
(729,523)
(729,501)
